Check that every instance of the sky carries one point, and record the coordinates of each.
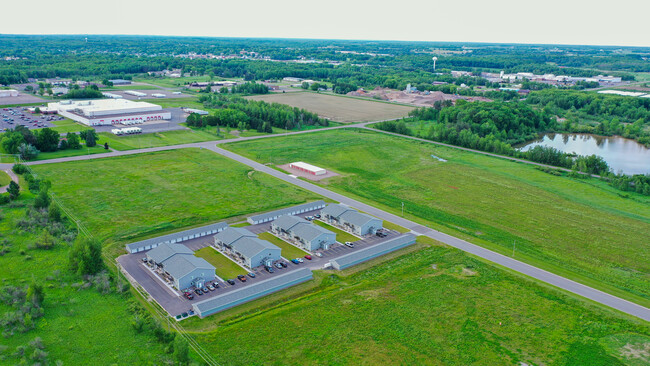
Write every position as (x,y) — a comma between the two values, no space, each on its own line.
(593,22)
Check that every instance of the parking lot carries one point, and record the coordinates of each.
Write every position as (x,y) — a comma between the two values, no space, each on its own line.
(175,303)
(22,98)
(12,117)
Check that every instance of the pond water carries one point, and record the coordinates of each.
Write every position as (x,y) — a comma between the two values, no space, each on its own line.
(621,154)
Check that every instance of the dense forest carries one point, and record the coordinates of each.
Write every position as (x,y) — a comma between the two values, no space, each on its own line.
(237,112)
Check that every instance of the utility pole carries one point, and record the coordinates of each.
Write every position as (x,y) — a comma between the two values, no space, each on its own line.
(514,244)
(402,209)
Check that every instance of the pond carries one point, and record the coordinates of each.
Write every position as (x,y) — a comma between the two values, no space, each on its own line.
(621,154)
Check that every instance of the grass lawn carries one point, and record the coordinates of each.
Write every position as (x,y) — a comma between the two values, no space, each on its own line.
(99,149)
(288,251)
(391,226)
(145,140)
(74,315)
(435,305)
(339,109)
(4,179)
(67,125)
(225,268)
(582,229)
(341,236)
(149,194)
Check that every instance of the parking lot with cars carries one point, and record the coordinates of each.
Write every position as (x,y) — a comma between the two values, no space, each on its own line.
(15,116)
(179,303)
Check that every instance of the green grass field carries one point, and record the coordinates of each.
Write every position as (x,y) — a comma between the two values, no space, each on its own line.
(582,229)
(67,125)
(288,251)
(122,199)
(435,305)
(98,149)
(145,140)
(225,268)
(341,236)
(4,179)
(80,325)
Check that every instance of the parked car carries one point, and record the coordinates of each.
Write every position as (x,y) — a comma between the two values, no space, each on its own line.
(189,295)
(215,285)
(295,261)
(278,265)
(210,287)
(284,265)
(309,218)
(317,216)
(318,254)
(308,257)
(231,282)
(269,269)
(349,244)
(198,292)
(241,278)
(205,289)
(251,274)
(144,259)
(300,260)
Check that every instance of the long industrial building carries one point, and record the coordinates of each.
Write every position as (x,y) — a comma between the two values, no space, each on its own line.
(295,210)
(198,232)
(106,112)
(8,93)
(371,252)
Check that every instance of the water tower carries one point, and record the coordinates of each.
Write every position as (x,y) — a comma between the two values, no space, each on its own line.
(434,63)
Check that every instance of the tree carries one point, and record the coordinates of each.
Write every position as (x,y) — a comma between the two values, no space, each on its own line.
(86,257)
(11,141)
(28,151)
(47,140)
(63,145)
(90,136)
(13,190)
(304,85)
(42,200)
(54,213)
(181,350)
(73,140)
(35,293)
(37,110)
(45,240)
(107,82)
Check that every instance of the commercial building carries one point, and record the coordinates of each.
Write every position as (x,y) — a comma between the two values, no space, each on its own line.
(8,93)
(135,93)
(243,246)
(251,292)
(302,232)
(158,95)
(351,220)
(178,262)
(373,251)
(180,236)
(120,82)
(106,112)
(112,96)
(295,210)
(308,168)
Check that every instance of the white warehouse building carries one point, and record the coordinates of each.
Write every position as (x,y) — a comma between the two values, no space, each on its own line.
(106,112)
(8,93)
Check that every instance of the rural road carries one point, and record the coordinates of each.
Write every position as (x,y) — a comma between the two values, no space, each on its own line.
(526,269)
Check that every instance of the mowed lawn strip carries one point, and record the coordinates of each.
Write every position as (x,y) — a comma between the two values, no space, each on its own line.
(341,236)
(4,179)
(336,108)
(581,229)
(225,267)
(146,140)
(289,251)
(128,198)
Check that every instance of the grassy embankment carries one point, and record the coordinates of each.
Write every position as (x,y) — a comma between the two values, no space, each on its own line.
(149,194)
(581,229)
(80,325)
(423,305)
(289,251)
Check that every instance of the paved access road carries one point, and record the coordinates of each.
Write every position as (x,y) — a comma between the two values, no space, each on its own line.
(542,275)
(550,278)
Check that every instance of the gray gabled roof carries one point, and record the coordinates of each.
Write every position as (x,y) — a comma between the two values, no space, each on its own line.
(308,231)
(133,247)
(335,210)
(373,251)
(166,250)
(182,264)
(232,234)
(288,221)
(356,218)
(288,211)
(252,291)
(250,246)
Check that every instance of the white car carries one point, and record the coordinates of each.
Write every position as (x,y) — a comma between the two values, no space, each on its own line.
(318,254)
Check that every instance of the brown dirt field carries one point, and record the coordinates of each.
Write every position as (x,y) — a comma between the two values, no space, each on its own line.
(416,99)
(339,109)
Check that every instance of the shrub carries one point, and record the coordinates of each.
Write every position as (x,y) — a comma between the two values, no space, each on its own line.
(19,169)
